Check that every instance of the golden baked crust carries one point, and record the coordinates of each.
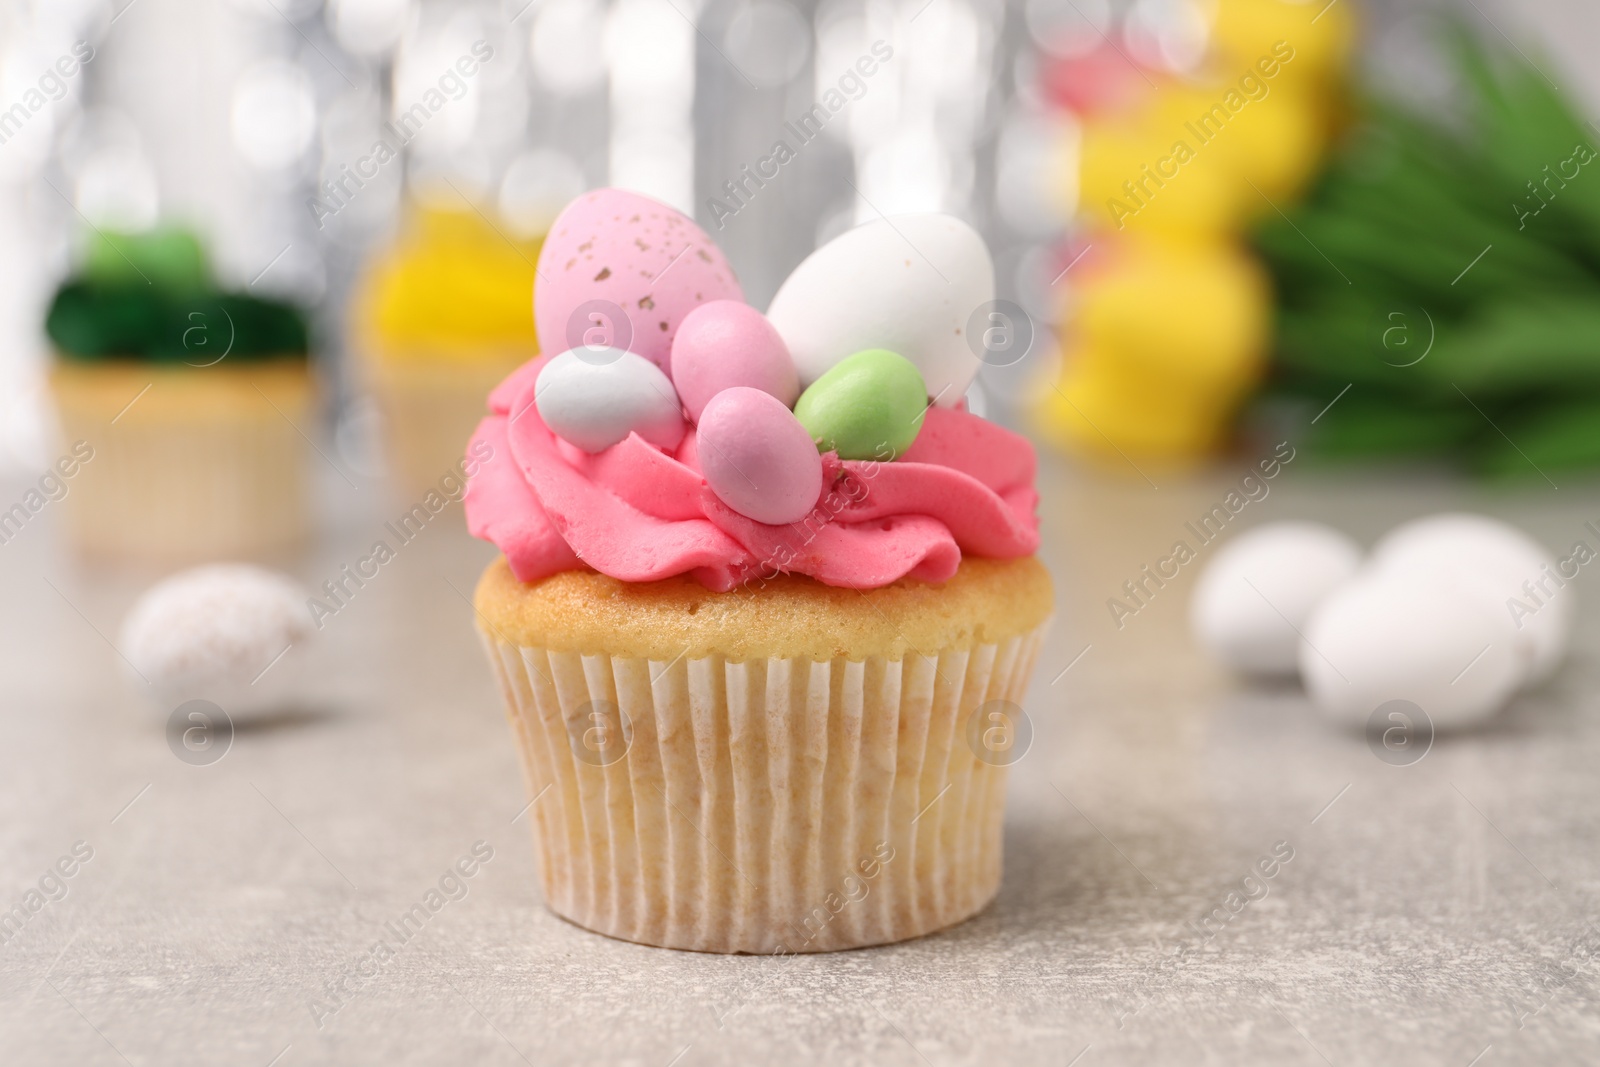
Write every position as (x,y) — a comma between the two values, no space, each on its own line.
(987,601)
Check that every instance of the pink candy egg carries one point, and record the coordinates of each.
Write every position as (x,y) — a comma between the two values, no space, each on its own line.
(620,270)
(726,343)
(757,458)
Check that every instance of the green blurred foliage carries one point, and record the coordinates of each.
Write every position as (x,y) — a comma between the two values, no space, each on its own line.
(1473,237)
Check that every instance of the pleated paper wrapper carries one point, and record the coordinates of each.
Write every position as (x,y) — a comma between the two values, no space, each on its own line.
(430,408)
(209,465)
(769,806)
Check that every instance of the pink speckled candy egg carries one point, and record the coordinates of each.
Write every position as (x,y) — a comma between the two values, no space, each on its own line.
(726,343)
(757,457)
(611,251)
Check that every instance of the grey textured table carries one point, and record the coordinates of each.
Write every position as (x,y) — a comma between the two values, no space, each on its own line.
(1430,914)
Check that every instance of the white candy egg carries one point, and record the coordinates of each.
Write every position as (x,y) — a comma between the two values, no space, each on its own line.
(595,397)
(217,632)
(1502,562)
(1253,600)
(1442,645)
(909,284)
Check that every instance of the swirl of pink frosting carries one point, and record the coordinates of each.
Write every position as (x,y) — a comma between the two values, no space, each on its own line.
(640,514)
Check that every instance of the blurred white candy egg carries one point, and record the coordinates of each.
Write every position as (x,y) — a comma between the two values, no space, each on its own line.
(1501,561)
(1443,645)
(911,284)
(1253,600)
(213,632)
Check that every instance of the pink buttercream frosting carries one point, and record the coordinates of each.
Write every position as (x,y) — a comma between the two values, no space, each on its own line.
(639,514)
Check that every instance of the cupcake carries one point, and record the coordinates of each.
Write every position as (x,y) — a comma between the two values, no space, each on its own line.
(767,605)
(191,400)
(439,319)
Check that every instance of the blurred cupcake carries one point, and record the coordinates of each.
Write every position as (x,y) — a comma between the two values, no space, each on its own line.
(764,663)
(191,399)
(440,318)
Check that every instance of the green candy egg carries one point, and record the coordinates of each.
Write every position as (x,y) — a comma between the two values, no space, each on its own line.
(867,406)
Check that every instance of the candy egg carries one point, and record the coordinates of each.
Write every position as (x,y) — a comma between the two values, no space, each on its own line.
(725,343)
(1254,598)
(217,633)
(594,398)
(867,406)
(620,270)
(1444,646)
(757,457)
(910,284)
(1505,563)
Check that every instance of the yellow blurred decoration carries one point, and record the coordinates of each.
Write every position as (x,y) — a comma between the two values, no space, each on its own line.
(1167,336)
(453,286)
(1193,314)
(1133,175)
(1322,34)
(1110,412)
(442,316)
(1274,141)
(1168,326)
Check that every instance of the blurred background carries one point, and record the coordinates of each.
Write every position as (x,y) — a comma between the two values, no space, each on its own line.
(261,261)
(1328,240)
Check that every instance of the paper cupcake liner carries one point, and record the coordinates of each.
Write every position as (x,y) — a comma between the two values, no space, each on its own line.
(430,407)
(170,486)
(780,805)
